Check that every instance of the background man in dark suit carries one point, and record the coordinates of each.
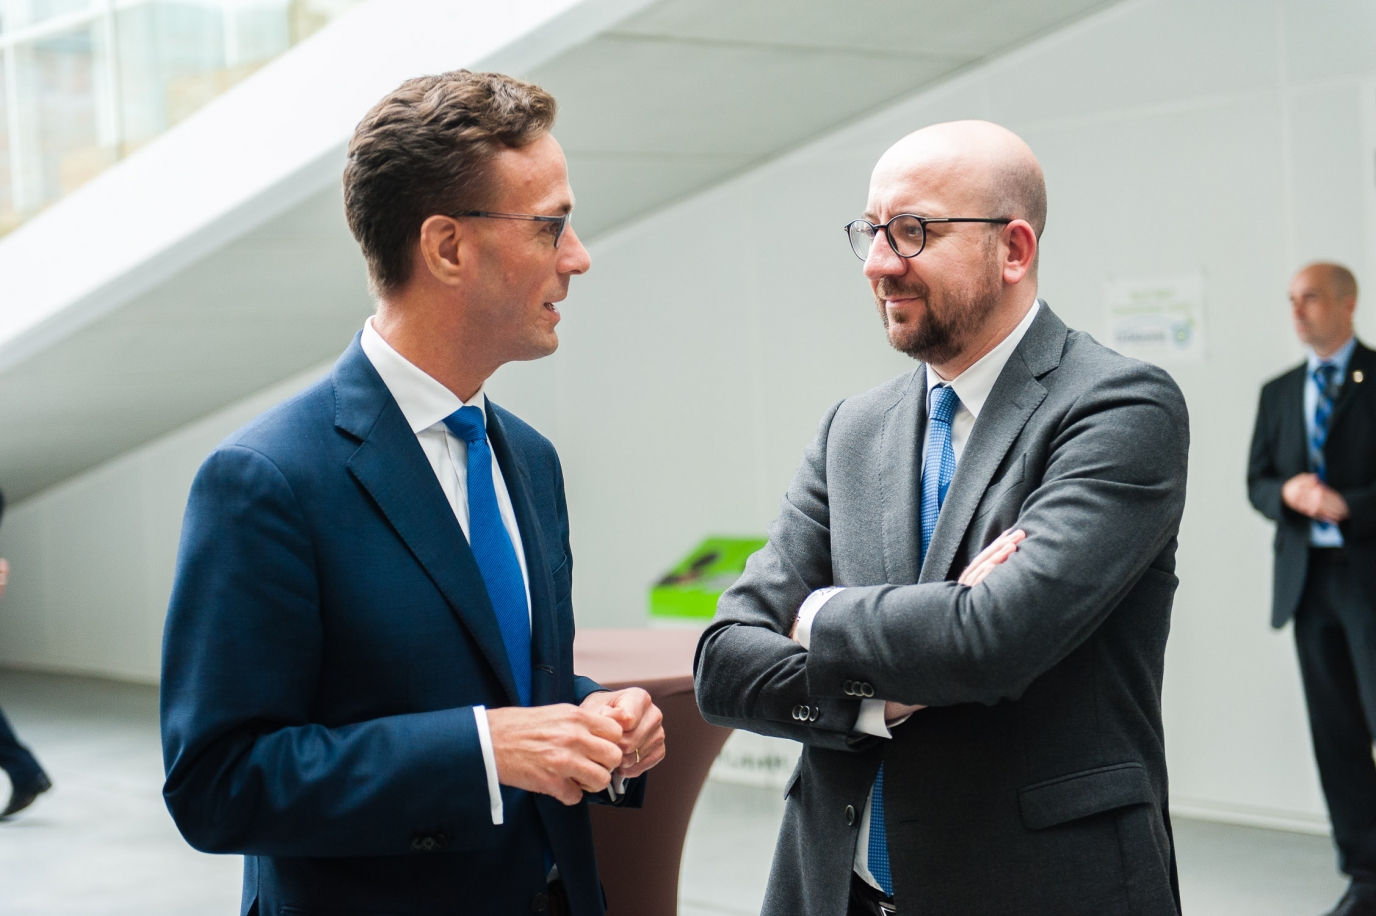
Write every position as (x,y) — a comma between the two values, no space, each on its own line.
(988,742)
(368,684)
(27,779)
(1313,472)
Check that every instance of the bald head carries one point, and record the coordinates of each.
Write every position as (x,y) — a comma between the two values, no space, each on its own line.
(1323,298)
(988,168)
(958,282)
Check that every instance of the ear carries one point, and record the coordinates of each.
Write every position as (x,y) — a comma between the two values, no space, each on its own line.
(442,248)
(1022,251)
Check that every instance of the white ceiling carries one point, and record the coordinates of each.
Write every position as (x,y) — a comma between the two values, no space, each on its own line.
(673,99)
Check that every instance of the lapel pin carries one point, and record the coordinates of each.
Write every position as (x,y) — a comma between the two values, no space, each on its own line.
(1358,376)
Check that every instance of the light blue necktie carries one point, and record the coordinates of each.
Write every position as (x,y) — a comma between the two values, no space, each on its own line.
(491,545)
(938,467)
(1324,378)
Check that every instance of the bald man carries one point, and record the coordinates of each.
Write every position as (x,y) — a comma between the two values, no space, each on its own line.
(963,605)
(1313,472)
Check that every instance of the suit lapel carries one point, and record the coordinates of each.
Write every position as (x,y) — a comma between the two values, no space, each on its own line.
(544,635)
(900,480)
(1295,432)
(1361,365)
(392,467)
(1014,398)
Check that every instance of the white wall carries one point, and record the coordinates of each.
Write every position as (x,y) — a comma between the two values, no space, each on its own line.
(93,557)
(1232,136)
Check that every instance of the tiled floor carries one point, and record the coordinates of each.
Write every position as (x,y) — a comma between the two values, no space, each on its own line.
(102,844)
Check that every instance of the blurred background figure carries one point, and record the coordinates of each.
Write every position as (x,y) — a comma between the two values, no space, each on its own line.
(1312,472)
(27,779)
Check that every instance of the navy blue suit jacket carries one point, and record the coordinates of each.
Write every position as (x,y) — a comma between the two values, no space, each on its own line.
(328,635)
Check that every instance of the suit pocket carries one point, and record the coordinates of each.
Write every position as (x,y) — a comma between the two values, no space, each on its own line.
(1069,798)
(999,489)
(563,580)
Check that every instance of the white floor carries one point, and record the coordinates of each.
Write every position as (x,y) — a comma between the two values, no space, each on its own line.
(102,844)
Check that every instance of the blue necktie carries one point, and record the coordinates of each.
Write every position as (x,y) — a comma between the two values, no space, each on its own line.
(938,467)
(491,545)
(1324,375)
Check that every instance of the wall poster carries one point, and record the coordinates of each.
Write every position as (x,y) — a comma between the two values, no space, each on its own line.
(1157,319)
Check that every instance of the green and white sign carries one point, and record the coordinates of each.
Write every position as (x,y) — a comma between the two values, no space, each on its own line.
(691,589)
(1157,319)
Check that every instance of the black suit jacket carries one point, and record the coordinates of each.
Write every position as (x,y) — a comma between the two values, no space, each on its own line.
(1280,451)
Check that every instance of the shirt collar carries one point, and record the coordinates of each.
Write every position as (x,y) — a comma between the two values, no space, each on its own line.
(423,400)
(974,384)
(1339,358)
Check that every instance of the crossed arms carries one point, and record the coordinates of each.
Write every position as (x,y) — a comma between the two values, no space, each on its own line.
(1108,503)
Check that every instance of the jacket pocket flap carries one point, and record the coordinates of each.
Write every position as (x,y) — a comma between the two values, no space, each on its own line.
(1078,795)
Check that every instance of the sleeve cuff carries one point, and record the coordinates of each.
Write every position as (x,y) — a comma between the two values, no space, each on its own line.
(871,720)
(811,605)
(494,787)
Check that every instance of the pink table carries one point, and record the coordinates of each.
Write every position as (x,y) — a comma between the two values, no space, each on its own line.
(639,850)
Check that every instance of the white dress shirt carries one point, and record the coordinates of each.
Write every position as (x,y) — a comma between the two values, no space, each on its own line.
(972,387)
(1323,534)
(425,403)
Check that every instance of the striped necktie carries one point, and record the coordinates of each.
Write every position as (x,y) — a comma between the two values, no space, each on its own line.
(1325,374)
(938,467)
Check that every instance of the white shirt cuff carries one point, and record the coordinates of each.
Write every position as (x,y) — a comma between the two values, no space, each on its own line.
(871,720)
(494,788)
(811,605)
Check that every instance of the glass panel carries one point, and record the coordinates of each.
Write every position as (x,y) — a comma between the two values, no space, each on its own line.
(166,50)
(8,217)
(16,14)
(74,101)
(71,153)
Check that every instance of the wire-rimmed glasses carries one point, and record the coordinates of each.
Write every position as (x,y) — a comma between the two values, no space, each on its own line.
(906,232)
(558,223)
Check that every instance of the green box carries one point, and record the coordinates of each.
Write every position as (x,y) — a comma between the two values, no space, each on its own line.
(691,588)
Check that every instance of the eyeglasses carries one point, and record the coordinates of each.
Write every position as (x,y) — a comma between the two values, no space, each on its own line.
(557,223)
(907,233)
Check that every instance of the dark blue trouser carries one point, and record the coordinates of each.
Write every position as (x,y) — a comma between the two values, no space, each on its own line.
(15,759)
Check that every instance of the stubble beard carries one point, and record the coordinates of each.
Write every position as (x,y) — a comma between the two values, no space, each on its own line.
(947,319)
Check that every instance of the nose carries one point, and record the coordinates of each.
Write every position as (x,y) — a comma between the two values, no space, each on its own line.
(883,261)
(573,257)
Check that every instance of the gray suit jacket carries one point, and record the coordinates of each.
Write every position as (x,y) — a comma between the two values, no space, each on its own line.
(1036,781)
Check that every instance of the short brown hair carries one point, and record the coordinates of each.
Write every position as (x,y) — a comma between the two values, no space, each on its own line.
(423,150)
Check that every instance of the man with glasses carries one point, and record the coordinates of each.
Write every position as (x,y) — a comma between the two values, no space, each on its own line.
(963,605)
(1313,472)
(368,685)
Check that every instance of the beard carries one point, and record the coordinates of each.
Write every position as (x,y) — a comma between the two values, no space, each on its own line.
(945,319)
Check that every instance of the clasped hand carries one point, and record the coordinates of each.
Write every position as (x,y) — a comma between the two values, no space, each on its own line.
(565,750)
(1311,497)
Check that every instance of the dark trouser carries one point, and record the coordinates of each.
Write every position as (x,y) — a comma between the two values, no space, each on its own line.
(866,901)
(15,759)
(1335,636)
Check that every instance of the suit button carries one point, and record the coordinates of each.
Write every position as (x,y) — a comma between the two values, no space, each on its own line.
(848,688)
(815,714)
(539,903)
(797,713)
(866,690)
(850,815)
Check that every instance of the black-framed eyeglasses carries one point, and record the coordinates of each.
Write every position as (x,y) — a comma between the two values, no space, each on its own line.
(907,232)
(557,223)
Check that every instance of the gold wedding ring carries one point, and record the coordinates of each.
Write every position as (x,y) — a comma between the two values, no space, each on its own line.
(637,755)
